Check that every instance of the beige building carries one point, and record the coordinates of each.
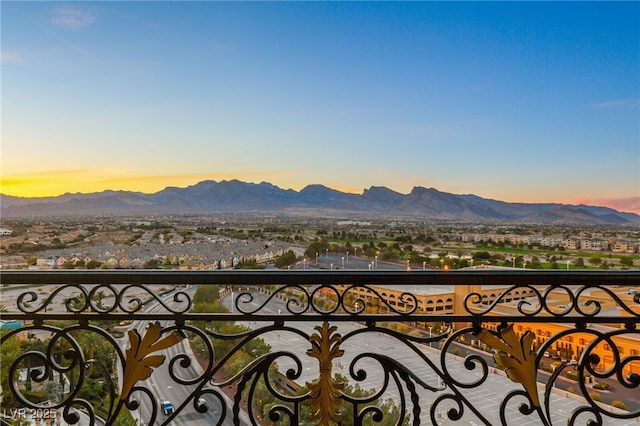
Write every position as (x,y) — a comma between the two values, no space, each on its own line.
(443,300)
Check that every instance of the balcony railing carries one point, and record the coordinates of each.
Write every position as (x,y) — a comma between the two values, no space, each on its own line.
(328,348)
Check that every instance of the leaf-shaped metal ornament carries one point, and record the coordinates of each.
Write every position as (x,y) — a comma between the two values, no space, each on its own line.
(139,363)
(325,391)
(516,356)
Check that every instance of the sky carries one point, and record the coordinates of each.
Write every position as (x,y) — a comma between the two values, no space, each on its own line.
(513,101)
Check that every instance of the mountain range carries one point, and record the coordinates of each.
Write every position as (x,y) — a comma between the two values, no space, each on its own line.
(234,196)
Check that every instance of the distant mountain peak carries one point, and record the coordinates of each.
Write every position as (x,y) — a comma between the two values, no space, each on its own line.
(235,196)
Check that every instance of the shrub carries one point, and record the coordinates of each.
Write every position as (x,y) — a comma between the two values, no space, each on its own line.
(619,404)
(595,396)
(36,396)
(572,375)
(601,386)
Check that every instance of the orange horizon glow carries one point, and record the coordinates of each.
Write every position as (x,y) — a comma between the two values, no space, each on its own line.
(85,181)
(40,187)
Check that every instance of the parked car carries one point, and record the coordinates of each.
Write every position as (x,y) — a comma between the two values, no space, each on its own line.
(202,406)
(167,407)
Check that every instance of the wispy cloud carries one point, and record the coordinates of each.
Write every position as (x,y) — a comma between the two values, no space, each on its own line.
(10,57)
(620,103)
(73,17)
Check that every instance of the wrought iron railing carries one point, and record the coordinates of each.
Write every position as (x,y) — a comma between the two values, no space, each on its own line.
(329,348)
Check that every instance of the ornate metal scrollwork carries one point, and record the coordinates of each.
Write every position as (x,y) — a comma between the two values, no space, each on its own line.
(430,376)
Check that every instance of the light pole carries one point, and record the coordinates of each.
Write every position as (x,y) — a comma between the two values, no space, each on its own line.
(342,262)
(304,263)
(568,265)
(316,259)
(232,302)
(347,256)
(424,265)
(408,266)
(430,327)
(326,251)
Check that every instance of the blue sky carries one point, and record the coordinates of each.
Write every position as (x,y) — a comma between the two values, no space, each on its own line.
(516,101)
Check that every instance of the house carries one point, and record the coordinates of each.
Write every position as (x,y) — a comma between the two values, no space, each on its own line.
(137,263)
(111,263)
(49,262)
(624,246)
(571,243)
(595,244)
(60,261)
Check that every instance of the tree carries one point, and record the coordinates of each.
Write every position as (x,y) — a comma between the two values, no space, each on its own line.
(481,255)
(316,247)
(68,265)
(287,259)
(152,264)
(10,352)
(206,294)
(626,261)
(93,264)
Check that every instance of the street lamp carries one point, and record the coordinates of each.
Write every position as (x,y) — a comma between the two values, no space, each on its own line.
(232,302)
(347,256)
(316,258)
(304,263)
(342,262)
(326,252)
(568,265)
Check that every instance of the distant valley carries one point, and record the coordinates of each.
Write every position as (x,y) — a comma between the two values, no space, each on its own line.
(234,196)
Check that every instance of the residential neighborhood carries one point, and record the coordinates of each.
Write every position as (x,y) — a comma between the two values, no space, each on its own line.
(212,242)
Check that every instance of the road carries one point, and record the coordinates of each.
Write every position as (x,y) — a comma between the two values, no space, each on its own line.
(164,387)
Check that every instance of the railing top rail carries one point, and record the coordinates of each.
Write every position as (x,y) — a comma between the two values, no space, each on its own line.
(305,277)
